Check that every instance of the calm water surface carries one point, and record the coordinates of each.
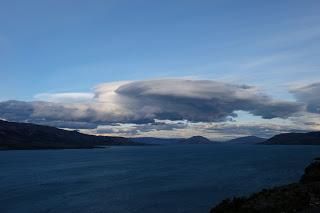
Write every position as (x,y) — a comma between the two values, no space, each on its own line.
(189,178)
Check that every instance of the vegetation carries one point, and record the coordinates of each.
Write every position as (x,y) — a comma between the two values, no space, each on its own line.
(303,196)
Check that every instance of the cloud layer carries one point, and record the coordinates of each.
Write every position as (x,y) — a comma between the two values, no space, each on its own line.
(145,101)
(199,100)
(310,95)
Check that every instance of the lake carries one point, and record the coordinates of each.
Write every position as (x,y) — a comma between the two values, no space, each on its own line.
(185,178)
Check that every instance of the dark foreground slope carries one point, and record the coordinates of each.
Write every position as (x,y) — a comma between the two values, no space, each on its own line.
(303,196)
(310,138)
(31,136)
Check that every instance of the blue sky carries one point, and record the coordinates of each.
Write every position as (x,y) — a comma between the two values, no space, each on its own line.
(72,46)
(60,46)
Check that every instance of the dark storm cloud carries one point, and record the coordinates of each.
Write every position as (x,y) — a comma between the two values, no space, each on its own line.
(68,124)
(44,113)
(15,110)
(310,95)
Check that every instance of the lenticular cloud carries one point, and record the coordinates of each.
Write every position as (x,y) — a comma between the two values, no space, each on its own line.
(144,101)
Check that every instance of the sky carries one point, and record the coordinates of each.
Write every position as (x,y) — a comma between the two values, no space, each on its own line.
(219,68)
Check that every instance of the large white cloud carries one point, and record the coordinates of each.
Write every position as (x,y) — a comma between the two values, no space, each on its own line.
(199,100)
(144,101)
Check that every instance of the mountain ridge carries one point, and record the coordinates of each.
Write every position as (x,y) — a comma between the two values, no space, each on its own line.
(309,138)
(173,141)
(15,135)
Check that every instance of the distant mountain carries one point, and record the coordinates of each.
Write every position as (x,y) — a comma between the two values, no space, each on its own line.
(310,138)
(160,141)
(246,140)
(31,136)
(196,140)
(172,141)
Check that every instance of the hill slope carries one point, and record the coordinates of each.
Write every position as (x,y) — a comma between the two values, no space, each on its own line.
(303,196)
(31,136)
